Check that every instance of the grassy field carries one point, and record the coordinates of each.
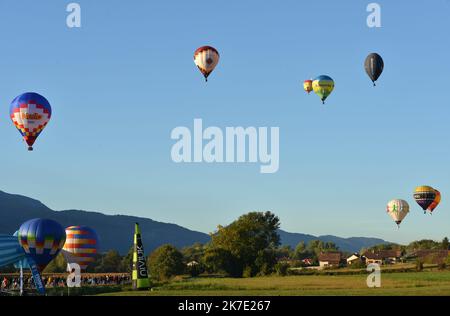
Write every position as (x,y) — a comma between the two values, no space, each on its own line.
(409,283)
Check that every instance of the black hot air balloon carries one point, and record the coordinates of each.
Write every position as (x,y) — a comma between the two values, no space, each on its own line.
(374,66)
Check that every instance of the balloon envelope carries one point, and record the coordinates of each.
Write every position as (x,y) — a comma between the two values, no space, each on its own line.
(374,66)
(42,239)
(206,59)
(81,245)
(23,262)
(424,196)
(30,113)
(397,210)
(10,250)
(436,201)
(307,86)
(323,86)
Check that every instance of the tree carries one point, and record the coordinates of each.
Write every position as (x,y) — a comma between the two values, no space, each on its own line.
(250,241)
(194,252)
(165,262)
(284,252)
(110,262)
(316,247)
(57,265)
(424,244)
(300,251)
(220,260)
(445,244)
(127,261)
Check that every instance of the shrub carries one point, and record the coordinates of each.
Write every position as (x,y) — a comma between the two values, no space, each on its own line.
(165,262)
(419,265)
(282,268)
(247,273)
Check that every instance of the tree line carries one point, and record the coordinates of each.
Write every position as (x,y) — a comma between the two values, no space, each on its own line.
(249,246)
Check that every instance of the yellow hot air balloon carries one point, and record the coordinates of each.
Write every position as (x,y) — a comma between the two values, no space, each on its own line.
(424,196)
(323,86)
(307,86)
(398,209)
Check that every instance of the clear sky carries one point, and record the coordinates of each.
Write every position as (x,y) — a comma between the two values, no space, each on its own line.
(126,78)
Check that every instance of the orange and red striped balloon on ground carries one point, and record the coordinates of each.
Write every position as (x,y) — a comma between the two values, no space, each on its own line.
(81,245)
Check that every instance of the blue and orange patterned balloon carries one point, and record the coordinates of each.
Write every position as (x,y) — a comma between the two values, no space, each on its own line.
(81,245)
(30,112)
(42,239)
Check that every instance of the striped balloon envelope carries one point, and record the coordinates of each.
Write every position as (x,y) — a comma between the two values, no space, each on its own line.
(10,250)
(424,196)
(81,245)
(206,59)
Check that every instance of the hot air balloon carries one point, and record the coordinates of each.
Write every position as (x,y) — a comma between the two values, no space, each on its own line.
(323,86)
(42,239)
(30,113)
(374,66)
(398,209)
(206,59)
(424,196)
(81,246)
(436,201)
(307,86)
(10,250)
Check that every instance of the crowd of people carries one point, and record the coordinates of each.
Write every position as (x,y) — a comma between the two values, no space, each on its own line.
(13,282)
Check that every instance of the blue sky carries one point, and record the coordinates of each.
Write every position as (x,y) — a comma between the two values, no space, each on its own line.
(126,78)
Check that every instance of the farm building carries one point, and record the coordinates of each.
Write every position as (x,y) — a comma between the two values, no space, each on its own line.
(330,259)
(382,256)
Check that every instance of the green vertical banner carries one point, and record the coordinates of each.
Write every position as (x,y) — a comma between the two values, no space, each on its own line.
(140,273)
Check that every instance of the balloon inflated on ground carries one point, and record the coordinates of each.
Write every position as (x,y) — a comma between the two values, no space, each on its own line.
(206,59)
(42,240)
(397,210)
(30,113)
(10,250)
(323,86)
(81,246)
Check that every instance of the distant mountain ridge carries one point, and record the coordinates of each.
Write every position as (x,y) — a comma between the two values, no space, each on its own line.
(116,231)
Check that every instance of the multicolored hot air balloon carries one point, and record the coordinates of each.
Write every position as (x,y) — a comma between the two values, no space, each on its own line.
(206,59)
(10,250)
(307,86)
(22,263)
(323,86)
(398,209)
(81,245)
(436,202)
(42,239)
(424,196)
(374,66)
(30,112)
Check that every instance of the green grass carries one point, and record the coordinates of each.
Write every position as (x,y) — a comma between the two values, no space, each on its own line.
(407,283)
